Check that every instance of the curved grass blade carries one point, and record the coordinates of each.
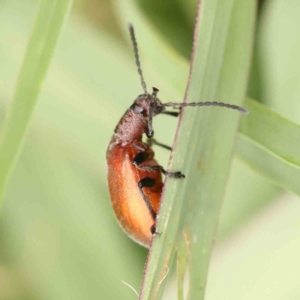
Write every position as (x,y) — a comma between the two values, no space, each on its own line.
(43,40)
(269,144)
(272,131)
(269,165)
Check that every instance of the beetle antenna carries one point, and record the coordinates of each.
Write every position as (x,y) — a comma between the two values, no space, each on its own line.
(136,55)
(221,104)
(152,106)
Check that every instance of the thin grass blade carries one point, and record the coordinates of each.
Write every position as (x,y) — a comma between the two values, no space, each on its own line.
(272,131)
(49,20)
(269,144)
(226,78)
(190,208)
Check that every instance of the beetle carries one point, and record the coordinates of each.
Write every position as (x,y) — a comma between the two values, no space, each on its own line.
(134,176)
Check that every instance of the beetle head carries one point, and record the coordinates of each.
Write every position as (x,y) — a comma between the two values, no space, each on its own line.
(147,104)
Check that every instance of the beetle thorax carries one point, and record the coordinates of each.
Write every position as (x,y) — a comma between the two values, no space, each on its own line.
(134,123)
(130,128)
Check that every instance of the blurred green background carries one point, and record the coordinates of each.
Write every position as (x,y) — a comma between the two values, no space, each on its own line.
(58,236)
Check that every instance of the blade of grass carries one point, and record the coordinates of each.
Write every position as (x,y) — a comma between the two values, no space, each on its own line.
(269,144)
(264,162)
(50,18)
(231,39)
(220,70)
(272,131)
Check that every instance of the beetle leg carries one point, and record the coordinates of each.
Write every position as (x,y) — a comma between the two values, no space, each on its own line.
(142,156)
(161,169)
(150,132)
(171,113)
(148,182)
(154,232)
(151,142)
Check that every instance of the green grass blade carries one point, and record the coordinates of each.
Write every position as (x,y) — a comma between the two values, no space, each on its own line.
(48,24)
(231,39)
(264,162)
(277,134)
(205,143)
(269,144)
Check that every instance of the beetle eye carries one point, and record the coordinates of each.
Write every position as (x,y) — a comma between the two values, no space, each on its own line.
(137,109)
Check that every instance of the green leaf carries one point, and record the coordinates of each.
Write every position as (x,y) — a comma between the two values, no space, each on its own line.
(269,144)
(190,207)
(44,37)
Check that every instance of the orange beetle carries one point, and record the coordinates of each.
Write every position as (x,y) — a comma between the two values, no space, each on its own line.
(134,176)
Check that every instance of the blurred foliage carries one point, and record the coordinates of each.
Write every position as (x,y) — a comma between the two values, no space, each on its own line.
(43,40)
(58,235)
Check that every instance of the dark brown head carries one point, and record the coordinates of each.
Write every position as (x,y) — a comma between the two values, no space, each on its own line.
(145,104)
(148,106)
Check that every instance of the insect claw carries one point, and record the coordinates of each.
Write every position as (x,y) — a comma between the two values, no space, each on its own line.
(178,175)
(154,232)
(157,233)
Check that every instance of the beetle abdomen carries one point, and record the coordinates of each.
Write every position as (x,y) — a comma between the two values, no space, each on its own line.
(130,208)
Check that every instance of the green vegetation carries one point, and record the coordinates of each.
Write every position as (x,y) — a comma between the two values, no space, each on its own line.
(59,238)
